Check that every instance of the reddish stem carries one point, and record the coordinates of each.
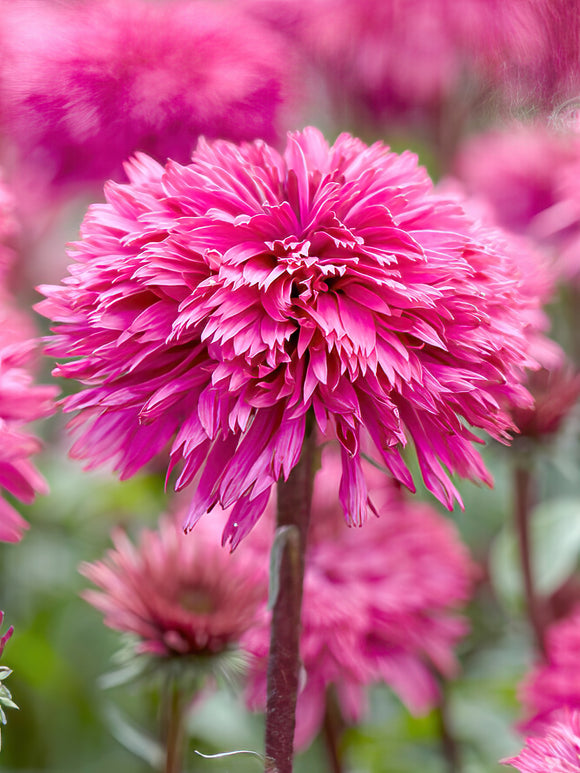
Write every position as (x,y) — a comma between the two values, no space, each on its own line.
(294,499)
(523,505)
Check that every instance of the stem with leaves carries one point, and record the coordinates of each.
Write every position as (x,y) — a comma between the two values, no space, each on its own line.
(293,517)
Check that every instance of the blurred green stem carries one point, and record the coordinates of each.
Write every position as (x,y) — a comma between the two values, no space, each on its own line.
(448,743)
(523,504)
(294,500)
(174,727)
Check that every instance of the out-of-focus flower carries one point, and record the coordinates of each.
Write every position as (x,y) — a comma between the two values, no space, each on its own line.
(219,304)
(6,636)
(379,603)
(84,86)
(555,393)
(556,751)
(529,175)
(21,401)
(179,596)
(554,685)
(8,230)
(393,60)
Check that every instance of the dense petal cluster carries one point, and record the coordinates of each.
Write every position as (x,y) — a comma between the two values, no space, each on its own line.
(529,175)
(178,595)
(379,603)
(85,85)
(554,685)
(216,305)
(21,401)
(556,751)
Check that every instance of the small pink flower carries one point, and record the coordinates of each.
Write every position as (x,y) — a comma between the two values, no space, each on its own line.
(379,603)
(555,394)
(556,751)
(84,86)
(179,595)
(214,306)
(554,685)
(21,401)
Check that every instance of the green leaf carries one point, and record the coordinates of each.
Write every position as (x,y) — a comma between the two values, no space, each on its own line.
(555,549)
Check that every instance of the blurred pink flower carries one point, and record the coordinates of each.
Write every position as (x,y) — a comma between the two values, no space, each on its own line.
(393,59)
(554,685)
(179,595)
(556,751)
(555,394)
(6,636)
(529,176)
(379,603)
(84,86)
(216,305)
(20,402)
(8,230)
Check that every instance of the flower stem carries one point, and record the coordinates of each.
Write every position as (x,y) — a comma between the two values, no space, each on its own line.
(174,729)
(332,730)
(449,744)
(523,503)
(294,500)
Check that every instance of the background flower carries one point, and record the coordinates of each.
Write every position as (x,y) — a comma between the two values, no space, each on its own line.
(557,750)
(216,305)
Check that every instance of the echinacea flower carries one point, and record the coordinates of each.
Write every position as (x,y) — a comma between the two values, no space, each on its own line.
(529,177)
(555,393)
(84,86)
(215,306)
(380,603)
(557,750)
(554,685)
(179,597)
(21,401)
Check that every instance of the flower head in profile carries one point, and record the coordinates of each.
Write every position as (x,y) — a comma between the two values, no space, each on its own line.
(215,306)
(555,392)
(179,597)
(554,685)
(21,401)
(557,750)
(85,86)
(379,605)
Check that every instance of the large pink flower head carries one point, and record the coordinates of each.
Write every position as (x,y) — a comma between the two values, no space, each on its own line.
(554,685)
(21,401)
(529,175)
(217,305)
(556,751)
(178,596)
(86,85)
(379,603)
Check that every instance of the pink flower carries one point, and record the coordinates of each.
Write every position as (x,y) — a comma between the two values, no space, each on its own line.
(86,85)
(557,750)
(217,305)
(20,402)
(529,175)
(8,230)
(6,636)
(555,394)
(388,59)
(178,595)
(554,685)
(379,603)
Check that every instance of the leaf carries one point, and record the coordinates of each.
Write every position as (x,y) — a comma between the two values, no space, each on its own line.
(133,738)
(555,549)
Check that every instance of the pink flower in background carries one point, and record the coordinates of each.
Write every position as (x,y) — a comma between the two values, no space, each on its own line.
(179,595)
(6,636)
(556,751)
(379,603)
(8,230)
(21,401)
(389,59)
(84,86)
(214,306)
(529,176)
(554,685)
(555,394)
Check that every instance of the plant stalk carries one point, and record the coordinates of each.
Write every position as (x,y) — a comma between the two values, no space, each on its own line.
(523,506)
(294,501)
(174,729)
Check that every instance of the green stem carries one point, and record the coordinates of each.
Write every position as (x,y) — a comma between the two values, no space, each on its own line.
(448,742)
(294,500)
